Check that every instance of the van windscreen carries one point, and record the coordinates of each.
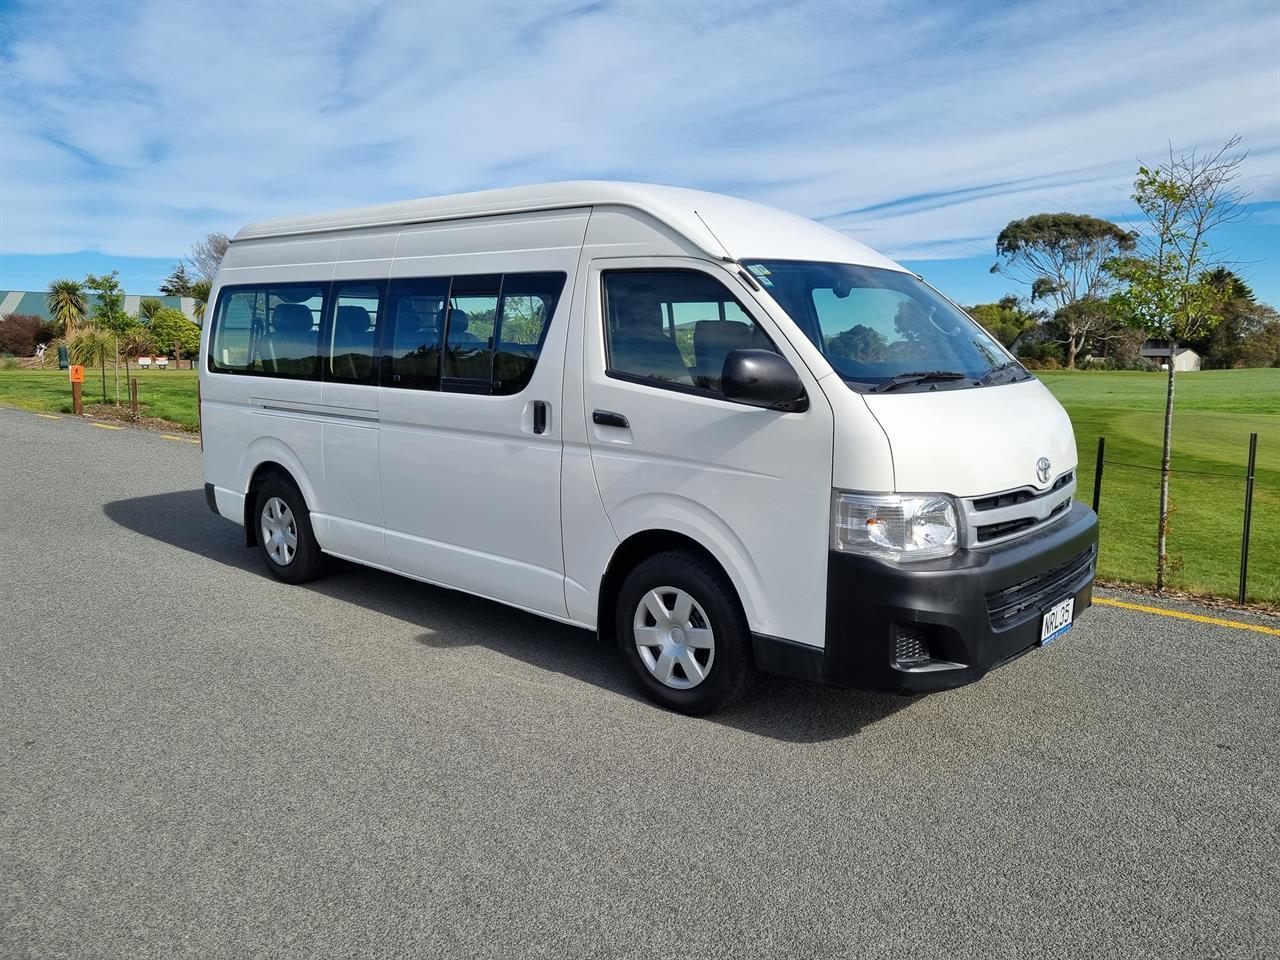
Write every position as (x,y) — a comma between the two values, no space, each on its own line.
(883,329)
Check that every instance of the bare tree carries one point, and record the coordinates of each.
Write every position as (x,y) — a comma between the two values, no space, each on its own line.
(1170,289)
(208,253)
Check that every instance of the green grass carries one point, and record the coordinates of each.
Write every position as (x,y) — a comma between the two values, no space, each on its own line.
(166,394)
(1214,413)
(1216,410)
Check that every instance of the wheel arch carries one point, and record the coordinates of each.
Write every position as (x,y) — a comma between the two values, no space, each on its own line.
(261,473)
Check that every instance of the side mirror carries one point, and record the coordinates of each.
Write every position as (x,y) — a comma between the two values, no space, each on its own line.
(762,379)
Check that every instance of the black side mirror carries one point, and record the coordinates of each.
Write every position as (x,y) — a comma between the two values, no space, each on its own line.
(763,379)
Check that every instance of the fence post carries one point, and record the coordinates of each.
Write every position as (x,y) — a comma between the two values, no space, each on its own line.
(1248,515)
(1097,475)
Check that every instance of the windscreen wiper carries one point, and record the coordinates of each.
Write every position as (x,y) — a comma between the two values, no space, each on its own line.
(1008,365)
(917,376)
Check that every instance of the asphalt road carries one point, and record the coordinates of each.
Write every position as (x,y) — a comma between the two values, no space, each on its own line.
(199,761)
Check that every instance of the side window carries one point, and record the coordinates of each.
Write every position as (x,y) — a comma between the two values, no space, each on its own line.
(674,327)
(270,331)
(290,347)
(468,352)
(414,310)
(239,323)
(353,335)
(525,311)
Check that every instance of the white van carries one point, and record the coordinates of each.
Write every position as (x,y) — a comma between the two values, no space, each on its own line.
(723,436)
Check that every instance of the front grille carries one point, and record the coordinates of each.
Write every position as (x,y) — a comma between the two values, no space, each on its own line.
(994,531)
(912,646)
(1020,602)
(1014,497)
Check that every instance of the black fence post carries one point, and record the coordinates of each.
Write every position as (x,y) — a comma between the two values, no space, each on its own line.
(1248,515)
(1097,475)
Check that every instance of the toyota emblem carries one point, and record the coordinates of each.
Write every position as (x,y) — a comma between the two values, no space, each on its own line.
(1043,466)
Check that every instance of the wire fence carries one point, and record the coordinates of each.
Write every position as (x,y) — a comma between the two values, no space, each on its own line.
(1209,525)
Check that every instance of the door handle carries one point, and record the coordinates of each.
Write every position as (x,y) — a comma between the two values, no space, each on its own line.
(607,418)
(539,416)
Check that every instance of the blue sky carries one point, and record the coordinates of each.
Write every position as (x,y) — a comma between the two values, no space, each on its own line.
(132,129)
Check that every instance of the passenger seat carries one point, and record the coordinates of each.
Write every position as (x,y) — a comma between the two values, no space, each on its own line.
(290,348)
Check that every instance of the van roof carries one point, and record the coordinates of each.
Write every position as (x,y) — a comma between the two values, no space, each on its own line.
(723,227)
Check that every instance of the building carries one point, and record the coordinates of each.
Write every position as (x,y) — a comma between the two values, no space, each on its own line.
(1157,351)
(34,303)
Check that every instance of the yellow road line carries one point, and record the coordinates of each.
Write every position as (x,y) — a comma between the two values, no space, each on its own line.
(169,436)
(106,426)
(48,416)
(1188,616)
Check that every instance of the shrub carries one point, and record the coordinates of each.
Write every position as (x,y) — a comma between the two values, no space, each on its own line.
(20,332)
(10,362)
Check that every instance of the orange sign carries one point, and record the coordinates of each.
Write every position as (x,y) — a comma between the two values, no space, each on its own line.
(77,373)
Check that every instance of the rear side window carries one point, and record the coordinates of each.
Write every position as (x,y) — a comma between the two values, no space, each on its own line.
(525,310)
(472,315)
(674,328)
(353,335)
(269,330)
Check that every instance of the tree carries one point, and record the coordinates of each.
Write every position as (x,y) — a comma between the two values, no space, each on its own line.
(108,312)
(92,345)
(68,305)
(1062,257)
(172,332)
(200,291)
(1169,289)
(207,254)
(1006,320)
(148,307)
(178,283)
(21,332)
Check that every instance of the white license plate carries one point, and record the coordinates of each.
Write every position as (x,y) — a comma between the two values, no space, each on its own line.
(1057,621)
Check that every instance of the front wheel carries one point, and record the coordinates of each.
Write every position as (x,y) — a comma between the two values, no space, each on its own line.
(682,631)
(285,539)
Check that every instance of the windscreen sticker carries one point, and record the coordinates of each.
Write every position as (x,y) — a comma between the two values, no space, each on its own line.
(759,269)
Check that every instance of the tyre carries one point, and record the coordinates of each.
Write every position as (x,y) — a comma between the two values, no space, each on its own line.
(680,627)
(285,540)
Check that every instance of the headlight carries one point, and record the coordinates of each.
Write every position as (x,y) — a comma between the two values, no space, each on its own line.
(895,527)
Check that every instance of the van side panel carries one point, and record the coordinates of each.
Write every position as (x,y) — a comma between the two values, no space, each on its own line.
(471,493)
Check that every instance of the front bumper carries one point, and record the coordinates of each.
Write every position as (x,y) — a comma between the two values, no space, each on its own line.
(975,609)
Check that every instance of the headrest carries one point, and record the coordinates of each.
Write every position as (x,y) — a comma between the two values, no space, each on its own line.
(291,318)
(733,333)
(353,320)
(458,321)
(640,307)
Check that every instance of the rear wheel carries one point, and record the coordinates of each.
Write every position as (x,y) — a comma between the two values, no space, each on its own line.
(285,539)
(681,629)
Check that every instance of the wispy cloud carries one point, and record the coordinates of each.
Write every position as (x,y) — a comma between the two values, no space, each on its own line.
(133,129)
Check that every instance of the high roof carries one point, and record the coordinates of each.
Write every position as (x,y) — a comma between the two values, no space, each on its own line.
(718,225)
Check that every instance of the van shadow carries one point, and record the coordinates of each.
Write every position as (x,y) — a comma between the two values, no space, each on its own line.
(781,709)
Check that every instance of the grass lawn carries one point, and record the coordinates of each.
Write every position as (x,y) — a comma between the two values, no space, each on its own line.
(1215,412)
(166,394)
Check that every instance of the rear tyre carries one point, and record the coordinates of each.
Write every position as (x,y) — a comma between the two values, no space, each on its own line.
(285,539)
(682,631)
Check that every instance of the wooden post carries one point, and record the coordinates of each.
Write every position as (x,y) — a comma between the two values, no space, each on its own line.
(1248,517)
(77,387)
(133,395)
(1097,475)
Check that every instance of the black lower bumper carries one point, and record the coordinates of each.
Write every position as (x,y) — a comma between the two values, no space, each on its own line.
(974,610)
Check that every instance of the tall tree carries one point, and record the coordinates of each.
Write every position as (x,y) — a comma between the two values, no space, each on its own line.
(1169,289)
(207,254)
(1061,257)
(68,305)
(178,283)
(108,312)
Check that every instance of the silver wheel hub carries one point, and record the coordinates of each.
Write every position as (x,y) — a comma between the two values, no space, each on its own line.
(279,531)
(674,638)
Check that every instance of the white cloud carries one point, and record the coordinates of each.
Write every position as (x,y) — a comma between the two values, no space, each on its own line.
(135,129)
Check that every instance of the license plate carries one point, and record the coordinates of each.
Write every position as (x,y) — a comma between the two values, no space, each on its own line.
(1057,621)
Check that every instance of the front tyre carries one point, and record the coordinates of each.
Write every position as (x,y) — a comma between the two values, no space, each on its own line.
(681,629)
(285,539)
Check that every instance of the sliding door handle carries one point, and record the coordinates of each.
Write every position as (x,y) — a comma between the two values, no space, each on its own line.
(539,416)
(607,418)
